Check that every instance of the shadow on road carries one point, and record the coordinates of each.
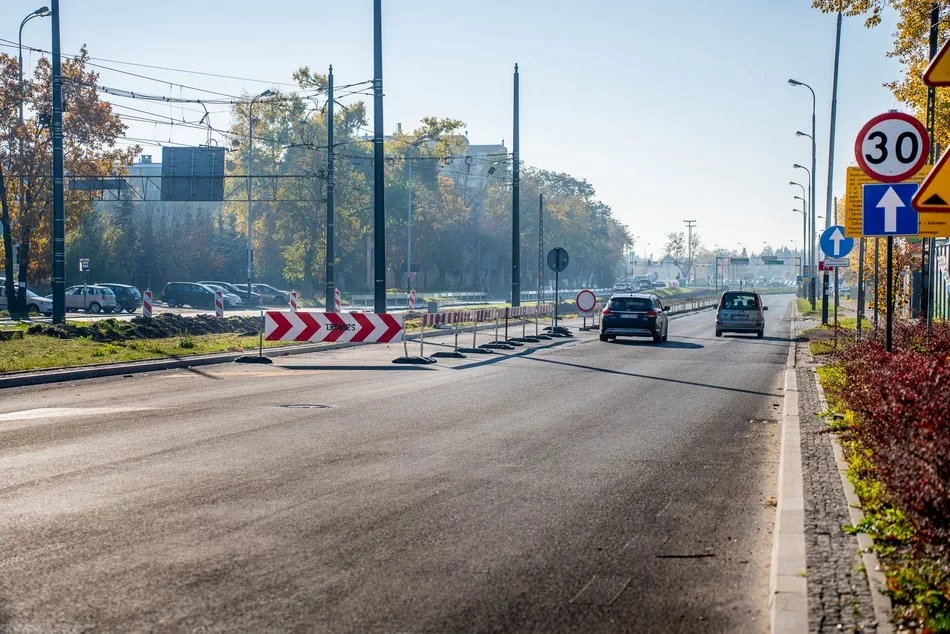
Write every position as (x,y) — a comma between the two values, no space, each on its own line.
(667,345)
(653,378)
(389,368)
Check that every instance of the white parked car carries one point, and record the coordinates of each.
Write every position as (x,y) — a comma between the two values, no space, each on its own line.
(34,303)
(92,299)
(231,300)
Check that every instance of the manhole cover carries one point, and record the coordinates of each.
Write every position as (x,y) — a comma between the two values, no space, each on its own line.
(306,406)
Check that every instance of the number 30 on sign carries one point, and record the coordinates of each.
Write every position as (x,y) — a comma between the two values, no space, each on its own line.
(892,147)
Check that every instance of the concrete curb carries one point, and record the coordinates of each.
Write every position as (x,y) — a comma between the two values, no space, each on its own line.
(788,585)
(872,565)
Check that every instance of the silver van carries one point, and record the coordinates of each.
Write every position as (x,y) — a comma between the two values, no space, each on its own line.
(741,311)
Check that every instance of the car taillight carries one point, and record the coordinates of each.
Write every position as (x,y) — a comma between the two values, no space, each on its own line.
(651,313)
(607,311)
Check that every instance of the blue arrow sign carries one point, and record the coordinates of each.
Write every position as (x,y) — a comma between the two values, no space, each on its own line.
(834,244)
(886,210)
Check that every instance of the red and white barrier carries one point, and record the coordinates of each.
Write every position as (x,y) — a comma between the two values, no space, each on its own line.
(219,304)
(337,301)
(293,301)
(339,327)
(412,299)
(147,305)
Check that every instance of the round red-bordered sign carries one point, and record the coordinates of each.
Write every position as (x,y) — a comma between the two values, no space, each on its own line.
(585,301)
(892,147)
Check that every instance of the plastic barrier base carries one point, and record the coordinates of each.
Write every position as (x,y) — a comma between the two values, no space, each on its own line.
(253,359)
(414,360)
(508,342)
(445,354)
(497,346)
(476,351)
(530,339)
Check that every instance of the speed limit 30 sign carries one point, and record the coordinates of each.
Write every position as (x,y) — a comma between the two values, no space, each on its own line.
(892,147)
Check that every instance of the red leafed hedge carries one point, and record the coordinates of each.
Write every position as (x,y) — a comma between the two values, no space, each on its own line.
(903,404)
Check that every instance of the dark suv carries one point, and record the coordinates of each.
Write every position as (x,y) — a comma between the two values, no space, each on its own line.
(179,294)
(127,297)
(634,315)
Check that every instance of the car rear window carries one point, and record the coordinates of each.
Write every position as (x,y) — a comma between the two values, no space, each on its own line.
(631,303)
(739,301)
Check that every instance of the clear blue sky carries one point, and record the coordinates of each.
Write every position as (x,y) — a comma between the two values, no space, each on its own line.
(672,110)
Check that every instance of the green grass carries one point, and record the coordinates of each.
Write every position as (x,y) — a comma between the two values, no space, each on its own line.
(37,352)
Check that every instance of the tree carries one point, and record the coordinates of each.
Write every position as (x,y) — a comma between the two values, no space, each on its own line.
(681,254)
(90,130)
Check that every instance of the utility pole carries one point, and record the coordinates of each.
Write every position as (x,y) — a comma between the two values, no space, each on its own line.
(409,226)
(516,205)
(379,186)
(831,162)
(330,295)
(59,201)
(540,246)
(689,248)
(927,244)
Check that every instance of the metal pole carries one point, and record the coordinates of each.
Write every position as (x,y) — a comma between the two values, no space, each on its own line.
(540,247)
(890,293)
(877,279)
(250,220)
(379,188)
(409,230)
(330,295)
(59,201)
(516,204)
(927,245)
(831,159)
(860,285)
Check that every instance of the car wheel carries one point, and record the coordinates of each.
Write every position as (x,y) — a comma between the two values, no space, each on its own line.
(604,338)
(666,334)
(130,310)
(32,308)
(94,308)
(718,332)
(760,333)
(657,338)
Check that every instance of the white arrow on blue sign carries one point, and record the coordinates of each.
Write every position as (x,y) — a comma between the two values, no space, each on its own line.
(834,244)
(886,210)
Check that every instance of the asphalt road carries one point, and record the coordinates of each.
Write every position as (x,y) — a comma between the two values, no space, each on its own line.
(587,486)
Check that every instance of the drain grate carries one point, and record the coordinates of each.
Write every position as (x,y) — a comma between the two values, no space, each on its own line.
(306,406)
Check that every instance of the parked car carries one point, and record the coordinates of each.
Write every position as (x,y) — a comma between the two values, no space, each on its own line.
(741,311)
(177,294)
(34,303)
(271,295)
(634,315)
(240,292)
(126,297)
(230,299)
(91,298)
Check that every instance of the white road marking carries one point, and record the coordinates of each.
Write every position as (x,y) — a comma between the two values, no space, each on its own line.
(47,414)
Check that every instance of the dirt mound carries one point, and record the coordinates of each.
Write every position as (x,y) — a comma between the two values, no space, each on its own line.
(164,325)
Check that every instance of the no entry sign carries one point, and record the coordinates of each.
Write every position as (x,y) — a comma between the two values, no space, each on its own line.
(585,301)
(340,327)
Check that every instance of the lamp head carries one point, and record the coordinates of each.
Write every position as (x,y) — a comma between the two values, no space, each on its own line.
(792,82)
(799,167)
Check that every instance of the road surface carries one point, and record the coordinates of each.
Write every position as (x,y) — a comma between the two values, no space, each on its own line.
(587,486)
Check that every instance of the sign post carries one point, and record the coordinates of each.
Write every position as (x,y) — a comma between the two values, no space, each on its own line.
(557,261)
(891,148)
(585,302)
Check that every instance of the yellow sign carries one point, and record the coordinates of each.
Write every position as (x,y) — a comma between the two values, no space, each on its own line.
(938,71)
(934,193)
(932,224)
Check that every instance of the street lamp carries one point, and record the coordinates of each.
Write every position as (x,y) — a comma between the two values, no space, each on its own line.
(804,213)
(250,162)
(42,12)
(813,261)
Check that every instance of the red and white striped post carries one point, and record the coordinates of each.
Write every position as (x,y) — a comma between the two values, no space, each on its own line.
(293,301)
(412,299)
(337,301)
(219,303)
(147,305)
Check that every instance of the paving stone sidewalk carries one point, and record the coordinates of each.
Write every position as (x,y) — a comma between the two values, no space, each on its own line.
(839,596)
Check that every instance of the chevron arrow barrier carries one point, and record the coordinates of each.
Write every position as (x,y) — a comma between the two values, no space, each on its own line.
(331,327)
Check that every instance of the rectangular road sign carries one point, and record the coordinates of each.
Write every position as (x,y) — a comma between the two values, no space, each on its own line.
(887,210)
(738,260)
(932,224)
(835,263)
(339,327)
